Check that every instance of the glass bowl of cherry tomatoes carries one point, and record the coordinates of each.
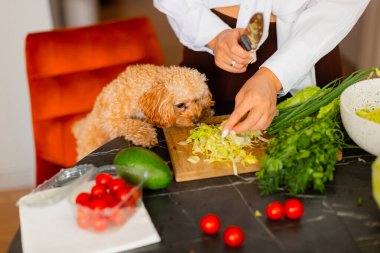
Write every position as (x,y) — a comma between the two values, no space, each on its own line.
(103,201)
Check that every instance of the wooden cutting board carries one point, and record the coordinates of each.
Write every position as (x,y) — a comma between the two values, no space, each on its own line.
(186,171)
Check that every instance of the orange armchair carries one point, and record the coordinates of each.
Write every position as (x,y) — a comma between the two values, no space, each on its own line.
(67,69)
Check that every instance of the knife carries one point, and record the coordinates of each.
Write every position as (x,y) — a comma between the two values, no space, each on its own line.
(252,34)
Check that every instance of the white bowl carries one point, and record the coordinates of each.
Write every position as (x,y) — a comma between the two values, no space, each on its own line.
(365,133)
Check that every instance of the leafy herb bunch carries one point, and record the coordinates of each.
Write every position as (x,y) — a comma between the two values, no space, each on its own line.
(306,139)
(302,156)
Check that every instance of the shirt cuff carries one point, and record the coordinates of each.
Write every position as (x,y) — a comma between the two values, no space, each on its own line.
(288,72)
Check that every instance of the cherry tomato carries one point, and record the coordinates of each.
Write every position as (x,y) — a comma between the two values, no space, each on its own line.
(83,212)
(137,194)
(274,211)
(135,197)
(116,184)
(83,199)
(122,193)
(118,216)
(233,236)
(100,224)
(103,179)
(98,191)
(98,204)
(293,209)
(210,224)
(83,222)
(110,199)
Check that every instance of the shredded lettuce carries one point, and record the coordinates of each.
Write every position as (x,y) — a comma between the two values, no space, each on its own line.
(207,140)
(194,159)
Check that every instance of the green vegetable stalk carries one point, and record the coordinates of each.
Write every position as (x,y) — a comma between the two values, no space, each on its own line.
(314,102)
(306,139)
(299,97)
(303,155)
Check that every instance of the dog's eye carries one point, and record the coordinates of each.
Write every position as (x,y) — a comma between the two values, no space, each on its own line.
(181,105)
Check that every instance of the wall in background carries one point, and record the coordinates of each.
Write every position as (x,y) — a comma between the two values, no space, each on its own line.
(119,9)
(18,17)
(66,13)
(361,48)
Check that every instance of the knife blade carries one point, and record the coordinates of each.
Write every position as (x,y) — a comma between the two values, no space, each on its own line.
(252,34)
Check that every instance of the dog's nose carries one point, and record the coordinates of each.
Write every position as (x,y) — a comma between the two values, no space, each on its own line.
(194,121)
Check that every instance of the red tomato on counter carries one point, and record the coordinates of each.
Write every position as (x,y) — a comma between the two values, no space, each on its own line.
(233,236)
(210,224)
(274,211)
(293,209)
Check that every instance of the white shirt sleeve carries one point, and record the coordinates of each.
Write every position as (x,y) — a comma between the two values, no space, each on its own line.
(315,32)
(192,21)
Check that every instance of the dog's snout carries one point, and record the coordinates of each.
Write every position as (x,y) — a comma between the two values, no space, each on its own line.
(194,120)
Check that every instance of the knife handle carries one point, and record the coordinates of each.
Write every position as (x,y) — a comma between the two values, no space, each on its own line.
(245,43)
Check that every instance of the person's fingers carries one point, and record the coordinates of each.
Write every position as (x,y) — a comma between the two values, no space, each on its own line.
(265,123)
(238,66)
(237,60)
(235,51)
(238,51)
(259,116)
(253,117)
(229,68)
(226,63)
(260,123)
(237,48)
(239,98)
(231,59)
(266,119)
(229,55)
(240,31)
(239,112)
(270,118)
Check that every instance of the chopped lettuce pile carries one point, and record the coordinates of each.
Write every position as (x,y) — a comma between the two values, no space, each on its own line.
(207,140)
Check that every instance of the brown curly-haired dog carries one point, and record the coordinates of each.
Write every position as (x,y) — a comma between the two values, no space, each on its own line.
(141,97)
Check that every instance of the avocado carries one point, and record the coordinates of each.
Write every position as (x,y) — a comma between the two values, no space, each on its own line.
(135,163)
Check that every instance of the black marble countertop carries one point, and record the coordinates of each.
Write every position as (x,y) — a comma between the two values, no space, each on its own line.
(332,222)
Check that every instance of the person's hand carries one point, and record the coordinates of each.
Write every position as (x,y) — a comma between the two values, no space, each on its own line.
(257,101)
(229,55)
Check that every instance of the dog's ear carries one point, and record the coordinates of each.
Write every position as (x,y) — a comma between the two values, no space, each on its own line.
(206,102)
(157,105)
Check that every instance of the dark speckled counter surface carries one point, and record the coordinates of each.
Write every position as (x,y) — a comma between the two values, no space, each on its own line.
(332,222)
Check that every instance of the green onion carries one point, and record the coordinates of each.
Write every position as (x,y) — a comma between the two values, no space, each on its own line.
(321,98)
